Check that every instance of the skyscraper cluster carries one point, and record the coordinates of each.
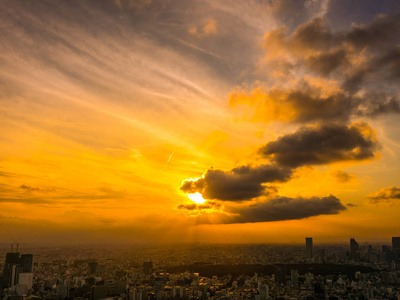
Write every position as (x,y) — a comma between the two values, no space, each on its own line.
(18,269)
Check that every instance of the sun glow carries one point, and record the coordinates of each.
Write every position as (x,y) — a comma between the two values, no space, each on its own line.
(196,197)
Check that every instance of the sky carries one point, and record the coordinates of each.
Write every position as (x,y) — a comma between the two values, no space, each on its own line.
(169,121)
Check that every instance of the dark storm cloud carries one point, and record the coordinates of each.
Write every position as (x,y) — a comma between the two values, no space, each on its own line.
(322,145)
(242,183)
(385,195)
(284,208)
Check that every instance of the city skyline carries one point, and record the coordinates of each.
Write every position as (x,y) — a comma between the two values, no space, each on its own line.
(139,121)
(202,272)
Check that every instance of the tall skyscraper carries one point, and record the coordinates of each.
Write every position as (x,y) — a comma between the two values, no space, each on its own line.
(159,287)
(354,250)
(9,270)
(15,265)
(309,248)
(27,263)
(319,288)
(396,243)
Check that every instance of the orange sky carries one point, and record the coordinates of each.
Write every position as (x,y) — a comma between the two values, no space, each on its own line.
(283,115)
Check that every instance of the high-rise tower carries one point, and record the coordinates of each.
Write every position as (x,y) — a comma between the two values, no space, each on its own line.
(309,248)
(15,265)
(354,250)
(27,263)
(396,243)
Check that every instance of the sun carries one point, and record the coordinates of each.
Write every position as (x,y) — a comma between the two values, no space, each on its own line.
(197,198)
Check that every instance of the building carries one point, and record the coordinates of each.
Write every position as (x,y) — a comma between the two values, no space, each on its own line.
(92,265)
(263,290)
(15,265)
(309,248)
(147,267)
(159,287)
(280,274)
(319,288)
(62,291)
(21,290)
(309,278)
(320,253)
(98,292)
(27,279)
(396,243)
(9,270)
(179,291)
(294,277)
(100,270)
(354,250)
(27,263)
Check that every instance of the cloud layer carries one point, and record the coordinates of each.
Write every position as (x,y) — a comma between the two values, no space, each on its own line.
(275,209)
(322,145)
(284,208)
(317,74)
(312,100)
(242,183)
(308,146)
(385,195)
(322,81)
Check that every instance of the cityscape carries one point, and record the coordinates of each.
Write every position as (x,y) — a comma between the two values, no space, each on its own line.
(203,271)
(199,149)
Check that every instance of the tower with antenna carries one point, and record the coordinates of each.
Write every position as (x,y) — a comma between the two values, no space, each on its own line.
(17,267)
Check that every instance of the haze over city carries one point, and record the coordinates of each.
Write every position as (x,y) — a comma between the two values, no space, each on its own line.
(162,121)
